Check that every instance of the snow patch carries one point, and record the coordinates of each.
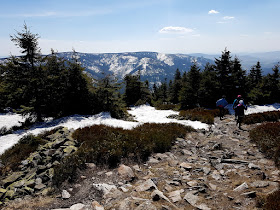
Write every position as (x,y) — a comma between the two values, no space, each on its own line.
(167,60)
(10,119)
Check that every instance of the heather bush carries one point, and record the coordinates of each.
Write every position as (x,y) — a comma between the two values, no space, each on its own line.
(108,146)
(167,106)
(200,114)
(267,138)
(12,157)
(272,116)
(272,201)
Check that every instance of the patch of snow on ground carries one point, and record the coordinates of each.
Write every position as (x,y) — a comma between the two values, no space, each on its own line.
(9,120)
(256,108)
(148,114)
(265,108)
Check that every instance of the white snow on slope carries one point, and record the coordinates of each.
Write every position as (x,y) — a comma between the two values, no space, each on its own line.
(9,120)
(257,108)
(265,108)
(167,60)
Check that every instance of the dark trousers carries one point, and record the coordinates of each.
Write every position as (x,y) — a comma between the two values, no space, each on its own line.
(222,112)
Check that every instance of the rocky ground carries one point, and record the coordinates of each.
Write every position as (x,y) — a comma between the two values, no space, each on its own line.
(216,169)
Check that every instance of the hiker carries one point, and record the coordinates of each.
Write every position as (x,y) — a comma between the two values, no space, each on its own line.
(239,110)
(221,104)
(235,103)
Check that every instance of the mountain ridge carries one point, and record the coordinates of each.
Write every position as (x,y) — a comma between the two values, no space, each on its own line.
(156,67)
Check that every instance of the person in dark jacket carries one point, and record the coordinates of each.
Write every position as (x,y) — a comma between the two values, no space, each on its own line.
(239,110)
(221,104)
(235,103)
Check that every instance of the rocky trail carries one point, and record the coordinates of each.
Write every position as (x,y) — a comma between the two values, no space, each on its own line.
(215,169)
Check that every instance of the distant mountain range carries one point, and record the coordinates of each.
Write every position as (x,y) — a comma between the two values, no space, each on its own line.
(155,67)
(267,59)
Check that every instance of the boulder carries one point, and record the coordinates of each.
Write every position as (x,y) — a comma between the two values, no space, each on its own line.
(194,200)
(126,172)
(158,195)
(186,166)
(147,185)
(146,205)
(78,206)
(241,187)
(65,194)
(10,194)
(104,188)
(12,178)
(69,149)
(96,206)
(175,196)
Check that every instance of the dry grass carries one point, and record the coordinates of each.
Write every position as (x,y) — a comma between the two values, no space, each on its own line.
(29,203)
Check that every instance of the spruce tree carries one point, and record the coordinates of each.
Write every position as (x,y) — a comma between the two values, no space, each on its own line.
(238,78)
(274,85)
(176,87)
(189,94)
(33,76)
(132,89)
(224,71)
(209,86)
(108,96)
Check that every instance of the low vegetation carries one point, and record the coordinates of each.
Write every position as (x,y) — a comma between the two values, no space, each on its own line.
(267,138)
(12,157)
(272,116)
(167,106)
(200,114)
(107,146)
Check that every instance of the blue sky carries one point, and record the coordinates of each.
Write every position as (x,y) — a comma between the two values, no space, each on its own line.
(166,26)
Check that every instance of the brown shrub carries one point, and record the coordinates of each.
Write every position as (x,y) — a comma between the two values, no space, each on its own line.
(200,114)
(106,145)
(267,138)
(13,156)
(272,201)
(272,116)
(166,106)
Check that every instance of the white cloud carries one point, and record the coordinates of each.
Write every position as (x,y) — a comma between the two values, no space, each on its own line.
(175,29)
(213,12)
(228,17)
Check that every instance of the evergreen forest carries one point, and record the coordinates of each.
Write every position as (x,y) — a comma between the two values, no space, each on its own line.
(40,86)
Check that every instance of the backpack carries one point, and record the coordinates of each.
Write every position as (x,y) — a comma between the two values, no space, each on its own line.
(235,103)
